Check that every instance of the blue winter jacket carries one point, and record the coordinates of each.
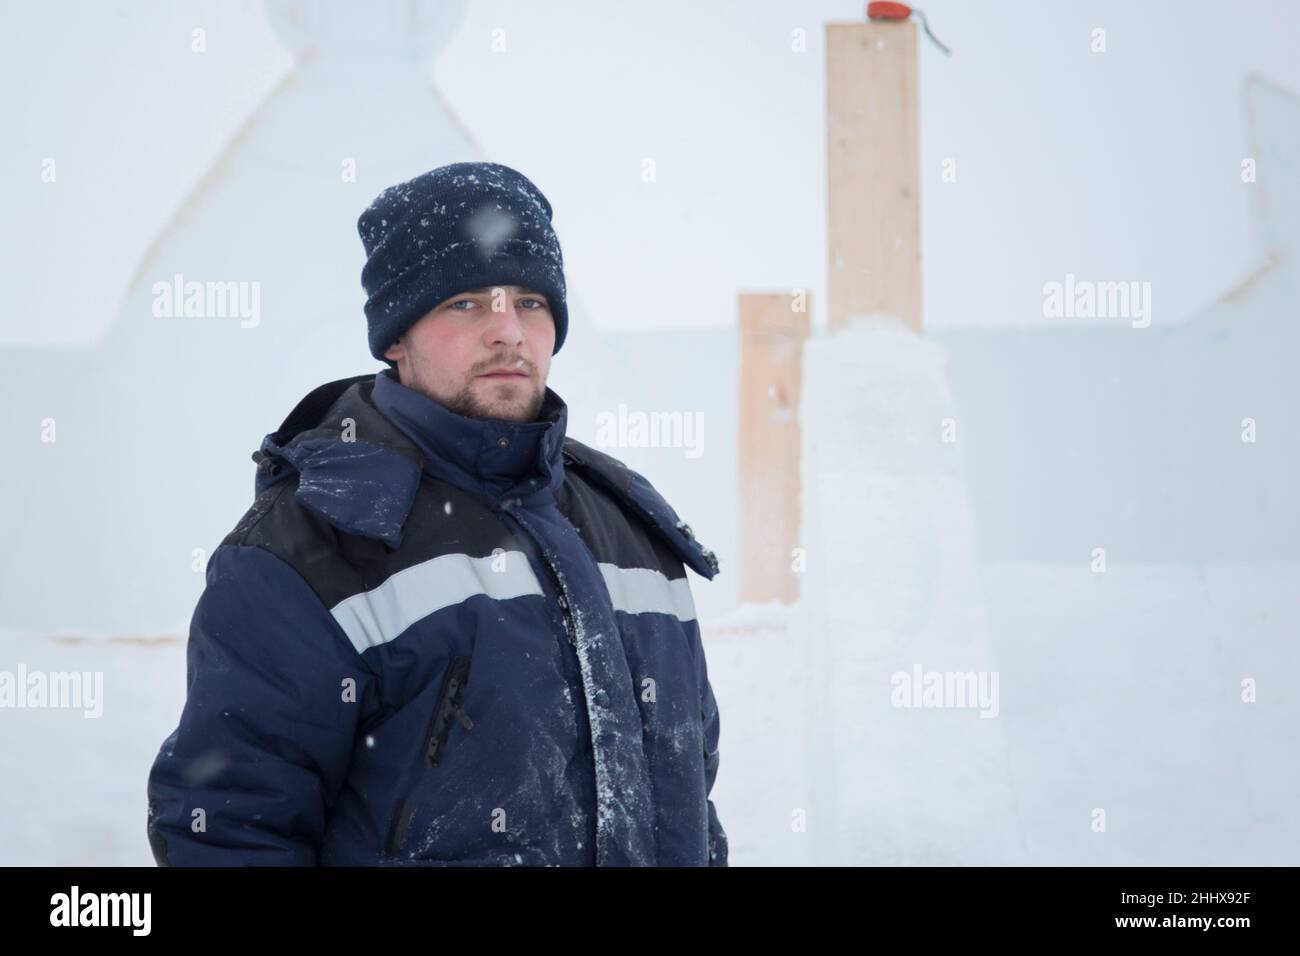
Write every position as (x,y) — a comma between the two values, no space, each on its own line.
(438,640)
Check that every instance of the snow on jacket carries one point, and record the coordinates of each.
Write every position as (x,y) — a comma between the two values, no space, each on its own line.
(434,639)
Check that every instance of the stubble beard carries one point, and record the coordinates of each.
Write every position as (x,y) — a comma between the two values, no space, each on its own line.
(469,403)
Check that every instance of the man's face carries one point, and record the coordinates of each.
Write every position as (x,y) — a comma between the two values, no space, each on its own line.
(453,352)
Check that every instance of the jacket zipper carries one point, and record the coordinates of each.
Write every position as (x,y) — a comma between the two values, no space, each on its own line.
(449,708)
(569,629)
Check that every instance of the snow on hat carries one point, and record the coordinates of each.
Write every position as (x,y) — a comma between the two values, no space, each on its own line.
(455,228)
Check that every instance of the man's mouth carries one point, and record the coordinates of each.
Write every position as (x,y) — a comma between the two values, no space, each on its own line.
(505,373)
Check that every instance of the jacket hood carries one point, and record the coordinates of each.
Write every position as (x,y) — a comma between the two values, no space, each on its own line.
(355,468)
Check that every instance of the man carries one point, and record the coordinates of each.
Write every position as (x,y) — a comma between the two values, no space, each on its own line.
(445,633)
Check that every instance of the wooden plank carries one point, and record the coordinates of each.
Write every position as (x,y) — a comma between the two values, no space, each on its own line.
(873,189)
(772,337)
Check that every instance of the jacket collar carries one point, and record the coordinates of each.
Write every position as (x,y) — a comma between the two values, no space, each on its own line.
(360,444)
(490,457)
(360,469)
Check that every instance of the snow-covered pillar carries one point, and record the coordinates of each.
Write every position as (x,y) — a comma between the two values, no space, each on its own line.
(903,749)
(904,742)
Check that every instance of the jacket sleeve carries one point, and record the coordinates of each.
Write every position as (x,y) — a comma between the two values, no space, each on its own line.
(264,741)
(712,757)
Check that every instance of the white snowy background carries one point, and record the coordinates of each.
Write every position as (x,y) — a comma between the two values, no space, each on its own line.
(1119,691)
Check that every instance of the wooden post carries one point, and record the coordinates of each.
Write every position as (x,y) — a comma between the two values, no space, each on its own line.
(772,335)
(873,197)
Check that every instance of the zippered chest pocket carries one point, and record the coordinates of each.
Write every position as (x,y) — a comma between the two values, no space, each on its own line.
(450,710)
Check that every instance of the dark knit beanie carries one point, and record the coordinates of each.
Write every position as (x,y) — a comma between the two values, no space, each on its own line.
(456,228)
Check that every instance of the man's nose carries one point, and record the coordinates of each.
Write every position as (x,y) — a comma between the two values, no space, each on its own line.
(505,326)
